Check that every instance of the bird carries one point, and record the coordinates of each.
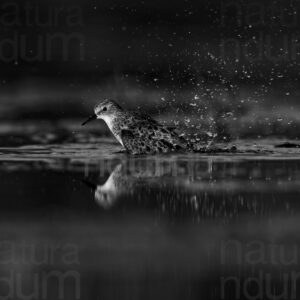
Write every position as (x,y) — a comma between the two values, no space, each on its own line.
(137,133)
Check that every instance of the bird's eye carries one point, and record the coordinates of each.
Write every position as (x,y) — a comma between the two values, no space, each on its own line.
(104,108)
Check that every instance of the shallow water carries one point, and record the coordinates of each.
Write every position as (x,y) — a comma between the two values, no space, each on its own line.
(81,221)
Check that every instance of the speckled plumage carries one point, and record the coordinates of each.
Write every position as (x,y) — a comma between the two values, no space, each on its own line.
(138,133)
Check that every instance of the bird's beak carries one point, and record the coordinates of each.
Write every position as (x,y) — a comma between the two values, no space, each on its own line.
(91,118)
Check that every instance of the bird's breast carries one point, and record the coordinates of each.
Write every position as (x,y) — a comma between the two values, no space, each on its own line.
(112,124)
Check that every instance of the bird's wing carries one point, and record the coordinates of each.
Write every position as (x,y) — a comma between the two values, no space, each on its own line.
(129,141)
(140,117)
(150,138)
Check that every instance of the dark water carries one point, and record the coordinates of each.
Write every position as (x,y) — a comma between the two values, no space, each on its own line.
(81,221)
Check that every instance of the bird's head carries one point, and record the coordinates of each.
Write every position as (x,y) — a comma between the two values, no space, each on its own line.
(103,110)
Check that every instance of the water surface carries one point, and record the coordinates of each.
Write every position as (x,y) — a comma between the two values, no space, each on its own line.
(81,221)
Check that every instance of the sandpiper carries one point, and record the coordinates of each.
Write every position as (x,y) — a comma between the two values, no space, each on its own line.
(137,133)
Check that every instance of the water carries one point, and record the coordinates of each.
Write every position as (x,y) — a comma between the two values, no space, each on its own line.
(81,221)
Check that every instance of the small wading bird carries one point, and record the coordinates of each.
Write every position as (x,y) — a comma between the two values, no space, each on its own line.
(137,133)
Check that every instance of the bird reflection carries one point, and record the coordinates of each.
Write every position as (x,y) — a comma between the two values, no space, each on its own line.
(127,179)
(185,187)
(124,180)
(106,194)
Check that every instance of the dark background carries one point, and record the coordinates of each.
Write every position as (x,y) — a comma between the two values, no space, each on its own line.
(205,64)
(164,234)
